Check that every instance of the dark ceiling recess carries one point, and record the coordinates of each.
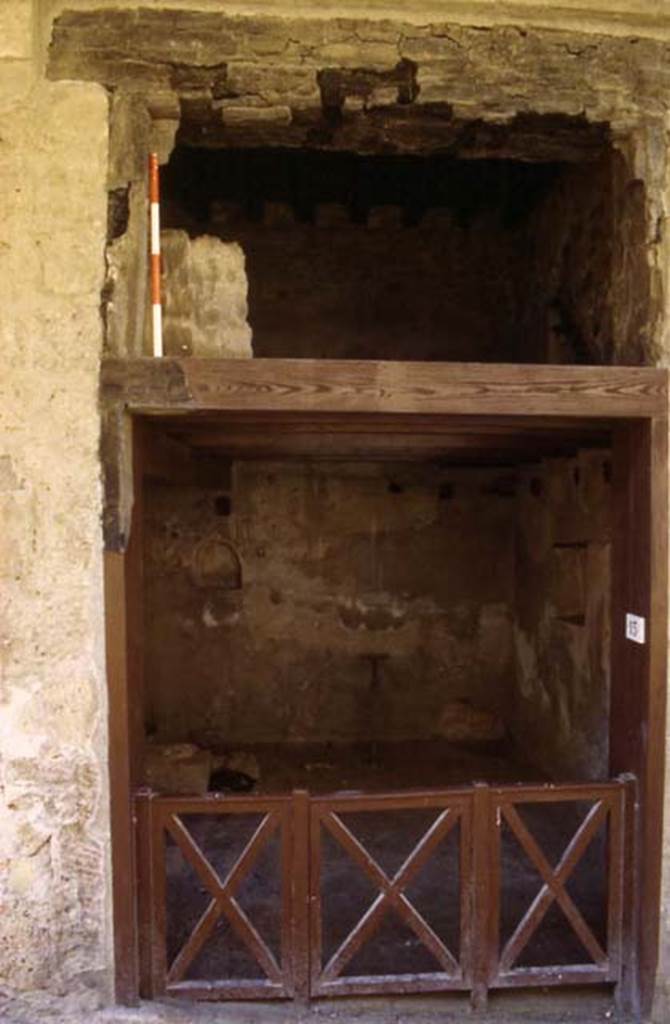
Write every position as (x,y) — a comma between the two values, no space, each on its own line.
(302,178)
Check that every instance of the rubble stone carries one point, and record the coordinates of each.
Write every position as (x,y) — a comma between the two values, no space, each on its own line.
(205,297)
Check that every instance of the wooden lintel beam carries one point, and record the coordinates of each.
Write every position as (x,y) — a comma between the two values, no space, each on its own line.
(327,386)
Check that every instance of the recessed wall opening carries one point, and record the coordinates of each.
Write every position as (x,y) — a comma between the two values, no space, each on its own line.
(376,641)
(331,611)
(513,256)
(358,621)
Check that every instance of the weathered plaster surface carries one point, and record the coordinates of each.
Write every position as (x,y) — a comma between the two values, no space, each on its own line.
(54,870)
(337,562)
(562,628)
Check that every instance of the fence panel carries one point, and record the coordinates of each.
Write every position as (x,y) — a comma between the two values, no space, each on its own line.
(558,856)
(391,888)
(295,896)
(220,906)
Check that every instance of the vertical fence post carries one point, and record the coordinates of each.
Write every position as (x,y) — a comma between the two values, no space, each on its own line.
(145,893)
(627,989)
(158,910)
(300,896)
(482,895)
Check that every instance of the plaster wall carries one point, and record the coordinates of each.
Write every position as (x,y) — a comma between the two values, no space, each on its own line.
(560,716)
(54,867)
(338,561)
(54,823)
(267,594)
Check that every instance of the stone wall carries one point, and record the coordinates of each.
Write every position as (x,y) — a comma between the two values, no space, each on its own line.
(267,591)
(54,821)
(582,287)
(484,261)
(204,297)
(336,562)
(339,290)
(562,630)
(394,87)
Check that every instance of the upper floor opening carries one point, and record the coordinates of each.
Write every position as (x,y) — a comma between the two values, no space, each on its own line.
(525,249)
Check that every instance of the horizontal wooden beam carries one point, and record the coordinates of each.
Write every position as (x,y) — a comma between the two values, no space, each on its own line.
(241,422)
(342,386)
(273,443)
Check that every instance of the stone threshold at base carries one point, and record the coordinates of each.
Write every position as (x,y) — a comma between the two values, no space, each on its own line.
(541,1007)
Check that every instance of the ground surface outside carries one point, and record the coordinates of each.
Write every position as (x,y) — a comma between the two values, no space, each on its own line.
(576,1007)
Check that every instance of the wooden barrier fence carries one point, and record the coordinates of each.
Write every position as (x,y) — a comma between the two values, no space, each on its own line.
(298,896)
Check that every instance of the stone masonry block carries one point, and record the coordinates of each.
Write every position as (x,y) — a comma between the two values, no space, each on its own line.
(205,297)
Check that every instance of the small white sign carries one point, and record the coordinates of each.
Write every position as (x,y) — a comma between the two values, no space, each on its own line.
(635,628)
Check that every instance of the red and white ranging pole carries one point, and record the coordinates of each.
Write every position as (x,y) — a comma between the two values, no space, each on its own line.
(155,256)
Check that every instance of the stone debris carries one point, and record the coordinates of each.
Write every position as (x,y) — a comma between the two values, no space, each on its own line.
(177,768)
(460,722)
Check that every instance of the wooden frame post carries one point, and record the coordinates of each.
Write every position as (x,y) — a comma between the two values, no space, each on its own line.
(484,889)
(124,659)
(638,695)
(300,889)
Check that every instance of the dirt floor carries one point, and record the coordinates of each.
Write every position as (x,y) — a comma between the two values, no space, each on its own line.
(373,767)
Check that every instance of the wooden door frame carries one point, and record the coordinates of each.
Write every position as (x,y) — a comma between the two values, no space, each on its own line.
(635,399)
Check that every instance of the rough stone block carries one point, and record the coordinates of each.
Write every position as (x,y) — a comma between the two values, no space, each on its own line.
(384,96)
(128,143)
(205,297)
(272,84)
(359,54)
(460,722)
(426,47)
(177,768)
(243,115)
(278,215)
(162,137)
(332,215)
(385,218)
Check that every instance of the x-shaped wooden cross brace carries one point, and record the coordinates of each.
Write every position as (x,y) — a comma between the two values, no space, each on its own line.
(391,894)
(554,886)
(223,897)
